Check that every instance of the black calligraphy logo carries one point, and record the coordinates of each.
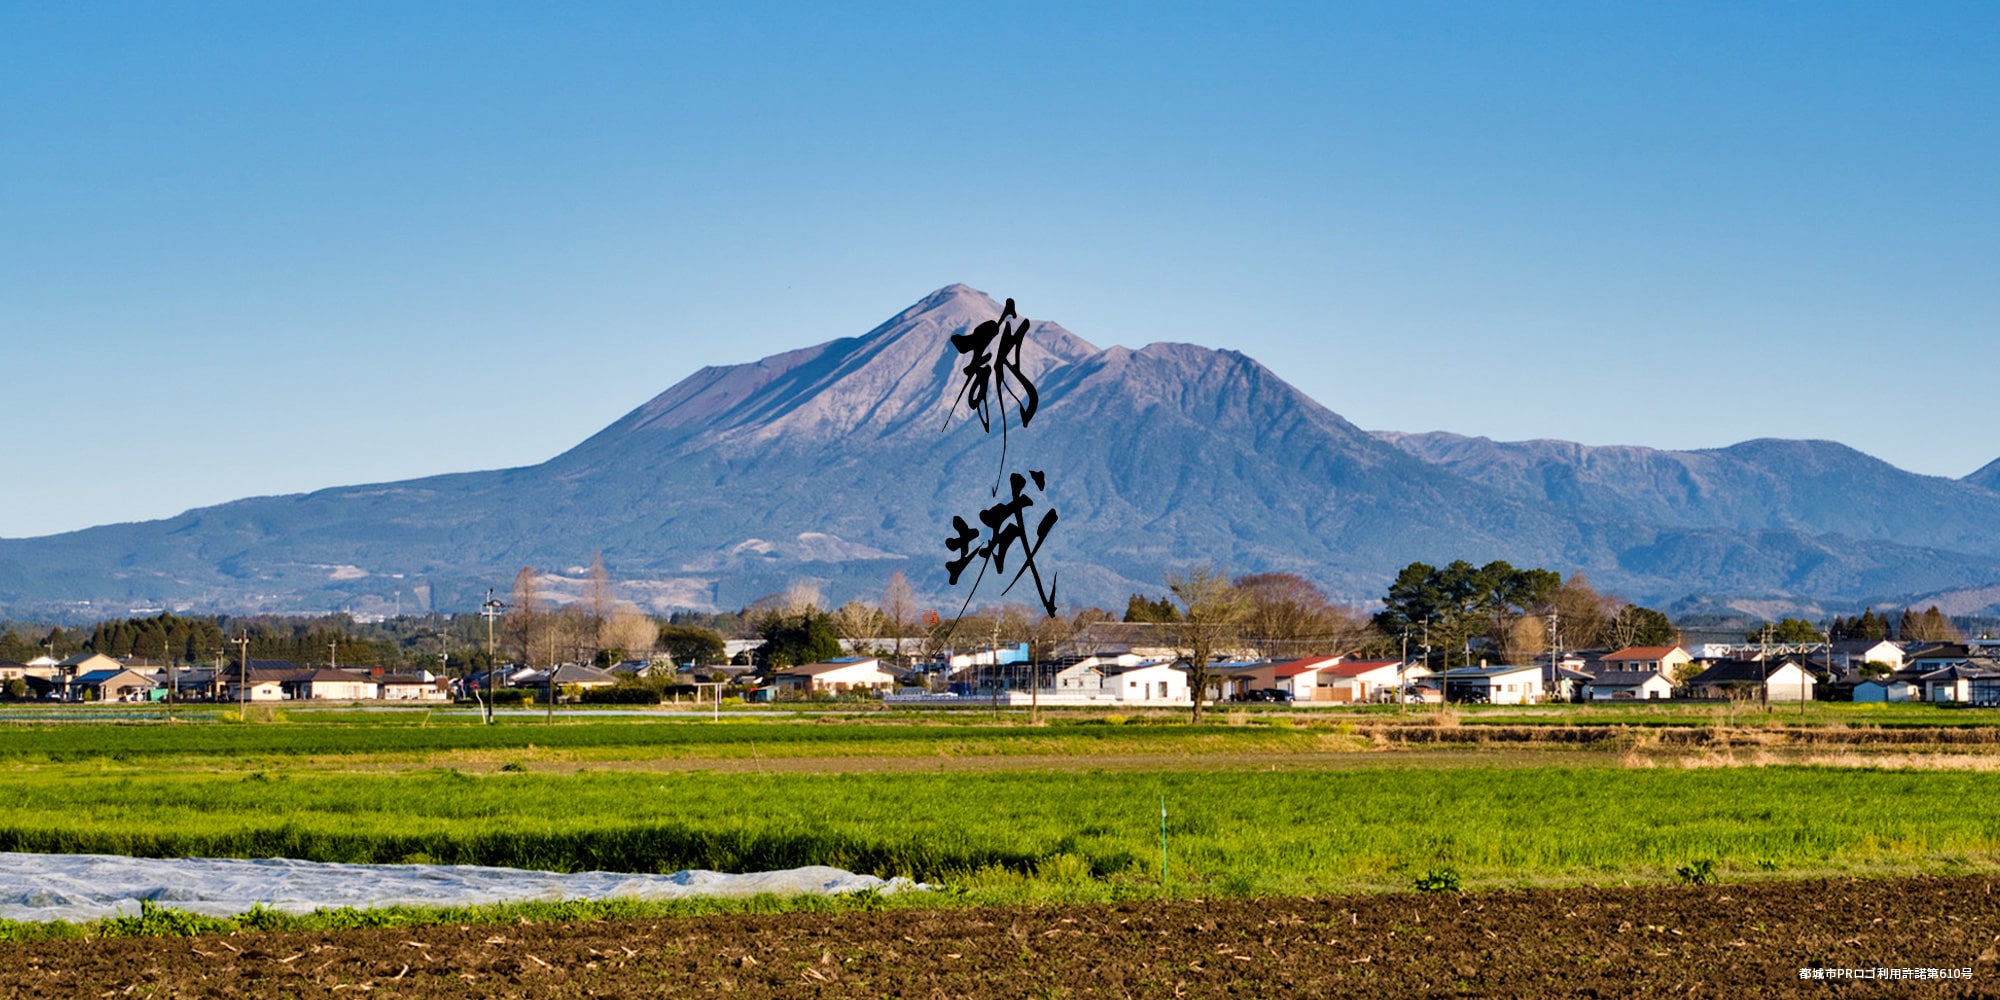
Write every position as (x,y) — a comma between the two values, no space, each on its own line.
(993,376)
(992,353)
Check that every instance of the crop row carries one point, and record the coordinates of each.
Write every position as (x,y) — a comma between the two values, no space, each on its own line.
(1236,832)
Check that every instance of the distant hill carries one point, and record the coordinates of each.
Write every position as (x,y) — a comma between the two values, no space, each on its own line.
(1988,476)
(1812,487)
(832,464)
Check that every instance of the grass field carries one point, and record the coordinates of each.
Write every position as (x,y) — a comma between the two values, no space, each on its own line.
(362,787)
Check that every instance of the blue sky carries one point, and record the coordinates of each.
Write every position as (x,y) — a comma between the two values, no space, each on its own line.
(271,247)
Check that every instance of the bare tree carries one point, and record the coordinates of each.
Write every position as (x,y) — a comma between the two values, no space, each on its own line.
(856,621)
(631,630)
(1211,612)
(524,622)
(1526,639)
(1583,616)
(1284,614)
(799,598)
(898,605)
(597,592)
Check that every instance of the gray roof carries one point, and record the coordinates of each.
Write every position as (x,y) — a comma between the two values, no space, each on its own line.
(1627,678)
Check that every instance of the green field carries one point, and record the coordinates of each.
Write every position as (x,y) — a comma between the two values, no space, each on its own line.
(1244,818)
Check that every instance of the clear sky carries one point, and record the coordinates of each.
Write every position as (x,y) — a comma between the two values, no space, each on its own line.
(270,247)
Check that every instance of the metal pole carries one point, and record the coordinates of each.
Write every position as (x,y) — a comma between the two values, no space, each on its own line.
(489,611)
(243,678)
(1402,690)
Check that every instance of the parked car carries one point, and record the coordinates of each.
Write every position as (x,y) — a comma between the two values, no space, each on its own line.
(1269,695)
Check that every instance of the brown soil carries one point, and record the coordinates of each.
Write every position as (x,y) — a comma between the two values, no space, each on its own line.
(1717,941)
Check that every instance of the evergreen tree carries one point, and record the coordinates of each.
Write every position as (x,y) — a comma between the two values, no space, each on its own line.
(1870,627)
(1932,626)
(1909,625)
(1141,609)
(16,649)
(791,639)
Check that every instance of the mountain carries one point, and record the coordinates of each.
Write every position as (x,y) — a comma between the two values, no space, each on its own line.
(1812,487)
(836,464)
(1987,478)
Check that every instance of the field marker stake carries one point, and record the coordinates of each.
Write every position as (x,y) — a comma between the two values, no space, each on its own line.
(1163,841)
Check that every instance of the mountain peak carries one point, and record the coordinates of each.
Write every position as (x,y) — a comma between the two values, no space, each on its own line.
(900,371)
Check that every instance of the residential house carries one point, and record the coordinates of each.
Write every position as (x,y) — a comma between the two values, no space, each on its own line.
(1852,654)
(111,684)
(1629,685)
(198,684)
(1156,681)
(1925,658)
(838,676)
(1358,681)
(1657,659)
(259,684)
(1960,683)
(1505,685)
(330,684)
(1778,679)
(422,686)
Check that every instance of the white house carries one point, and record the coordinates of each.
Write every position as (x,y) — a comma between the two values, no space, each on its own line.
(1155,681)
(1779,680)
(839,676)
(1361,680)
(1629,685)
(1852,654)
(330,684)
(413,687)
(1511,685)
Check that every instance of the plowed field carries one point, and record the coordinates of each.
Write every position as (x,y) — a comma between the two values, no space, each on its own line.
(1745,939)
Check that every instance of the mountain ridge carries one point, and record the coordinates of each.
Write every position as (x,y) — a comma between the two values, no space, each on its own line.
(835,463)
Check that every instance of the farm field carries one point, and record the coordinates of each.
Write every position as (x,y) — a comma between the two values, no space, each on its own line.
(1739,940)
(1268,814)
(1069,811)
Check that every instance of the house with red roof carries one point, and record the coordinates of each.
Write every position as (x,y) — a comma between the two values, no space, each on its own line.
(1656,659)
(1299,678)
(1365,680)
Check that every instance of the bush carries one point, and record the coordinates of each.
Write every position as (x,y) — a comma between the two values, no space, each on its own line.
(1700,872)
(623,694)
(1441,880)
(511,696)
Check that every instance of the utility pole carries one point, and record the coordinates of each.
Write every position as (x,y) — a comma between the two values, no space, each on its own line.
(1764,668)
(1555,651)
(243,677)
(490,611)
(173,676)
(1427,662)
(1402,692)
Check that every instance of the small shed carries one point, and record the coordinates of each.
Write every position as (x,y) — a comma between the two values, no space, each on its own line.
(1885,689)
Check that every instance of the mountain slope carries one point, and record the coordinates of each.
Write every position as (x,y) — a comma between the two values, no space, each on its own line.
(836,463)
(1812,487)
